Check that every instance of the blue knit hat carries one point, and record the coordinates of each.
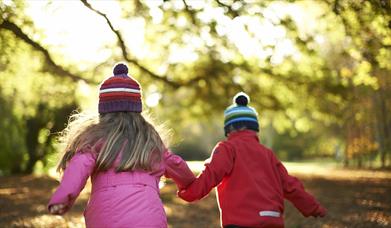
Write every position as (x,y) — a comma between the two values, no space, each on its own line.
(239,115)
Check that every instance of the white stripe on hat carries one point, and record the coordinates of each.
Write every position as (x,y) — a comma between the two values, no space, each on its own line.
(119,90)
(244,111)
(270,213)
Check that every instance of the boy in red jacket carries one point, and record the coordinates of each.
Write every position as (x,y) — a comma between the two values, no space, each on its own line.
(251,182)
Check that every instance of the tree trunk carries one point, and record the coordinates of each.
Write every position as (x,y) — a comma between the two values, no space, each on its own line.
(33,127)
(384,131)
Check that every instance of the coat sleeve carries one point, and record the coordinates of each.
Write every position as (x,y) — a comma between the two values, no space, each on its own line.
(216,168)
(294,192)
(178,170)
(74,179)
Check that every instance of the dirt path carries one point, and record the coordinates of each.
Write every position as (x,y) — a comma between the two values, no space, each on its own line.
(353,202)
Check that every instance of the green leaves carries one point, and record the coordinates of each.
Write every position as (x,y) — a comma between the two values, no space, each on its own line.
(308,66)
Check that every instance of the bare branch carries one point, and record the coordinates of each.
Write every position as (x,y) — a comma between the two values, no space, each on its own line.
(51,66)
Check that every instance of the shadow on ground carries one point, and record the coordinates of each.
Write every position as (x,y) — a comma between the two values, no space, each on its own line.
(354,202)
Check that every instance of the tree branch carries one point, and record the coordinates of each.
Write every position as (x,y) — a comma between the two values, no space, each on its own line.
(231,11)
(124,50)
(51,66)
(190,13)
(116,32)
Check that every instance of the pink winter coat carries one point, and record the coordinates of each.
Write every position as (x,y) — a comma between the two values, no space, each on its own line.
(124,199)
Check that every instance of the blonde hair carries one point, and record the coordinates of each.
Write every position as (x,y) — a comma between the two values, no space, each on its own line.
(125,134)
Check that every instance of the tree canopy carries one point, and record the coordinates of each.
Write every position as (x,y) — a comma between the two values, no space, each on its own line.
(318,72)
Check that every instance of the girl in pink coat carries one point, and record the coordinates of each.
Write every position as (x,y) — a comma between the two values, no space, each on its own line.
(124,156)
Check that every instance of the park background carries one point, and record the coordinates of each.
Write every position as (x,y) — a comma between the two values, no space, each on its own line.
(318,73)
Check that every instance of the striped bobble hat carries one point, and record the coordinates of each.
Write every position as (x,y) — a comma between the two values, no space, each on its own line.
(120,93)
(239,115)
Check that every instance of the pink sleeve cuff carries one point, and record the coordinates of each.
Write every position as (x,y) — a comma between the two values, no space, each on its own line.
(177,169)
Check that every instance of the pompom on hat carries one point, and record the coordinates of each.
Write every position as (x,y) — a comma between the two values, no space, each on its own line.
(120,92)
(239,115)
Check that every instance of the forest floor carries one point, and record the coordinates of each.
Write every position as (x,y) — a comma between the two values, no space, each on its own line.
(354,198)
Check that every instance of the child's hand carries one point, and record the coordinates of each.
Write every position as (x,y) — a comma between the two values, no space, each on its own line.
(180,192)
(184,194)
(319,212)
(57,209)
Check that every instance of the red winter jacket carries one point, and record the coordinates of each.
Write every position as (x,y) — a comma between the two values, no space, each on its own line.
(251,184)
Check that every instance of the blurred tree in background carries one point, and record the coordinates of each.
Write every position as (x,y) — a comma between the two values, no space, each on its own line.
(318,72)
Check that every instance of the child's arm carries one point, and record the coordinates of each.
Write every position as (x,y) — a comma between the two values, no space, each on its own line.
(294,191)
(218,166)
(73,181)
(177,169)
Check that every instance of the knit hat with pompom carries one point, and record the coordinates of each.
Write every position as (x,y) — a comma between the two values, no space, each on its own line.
(120,92)
(239,115)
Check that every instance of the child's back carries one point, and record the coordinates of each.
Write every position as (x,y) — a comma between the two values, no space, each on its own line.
(253,184)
